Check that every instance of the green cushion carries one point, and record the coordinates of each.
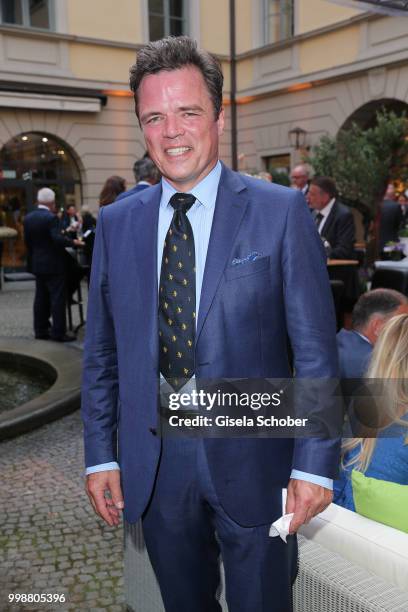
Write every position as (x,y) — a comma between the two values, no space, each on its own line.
(381,501)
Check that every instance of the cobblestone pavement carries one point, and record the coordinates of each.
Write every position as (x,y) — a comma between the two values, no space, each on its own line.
(50,540)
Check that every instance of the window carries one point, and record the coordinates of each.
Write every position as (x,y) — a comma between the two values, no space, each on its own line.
(166,17)
(26,13)
(279,167)
(278,20)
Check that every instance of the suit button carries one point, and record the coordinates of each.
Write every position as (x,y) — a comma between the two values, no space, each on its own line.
(153,431)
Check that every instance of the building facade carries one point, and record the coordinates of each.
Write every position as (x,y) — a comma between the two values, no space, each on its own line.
(67,118)
(338,65)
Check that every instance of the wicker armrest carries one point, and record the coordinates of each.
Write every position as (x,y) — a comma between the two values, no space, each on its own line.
(329,583)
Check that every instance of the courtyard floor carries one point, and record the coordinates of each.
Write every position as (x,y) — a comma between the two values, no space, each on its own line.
(51,542)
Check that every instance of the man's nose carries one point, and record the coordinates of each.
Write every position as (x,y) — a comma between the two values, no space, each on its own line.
(173,127)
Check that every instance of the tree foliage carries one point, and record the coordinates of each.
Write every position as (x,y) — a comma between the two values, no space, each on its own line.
(362,162)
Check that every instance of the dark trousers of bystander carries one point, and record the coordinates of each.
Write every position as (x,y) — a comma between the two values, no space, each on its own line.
(49,301)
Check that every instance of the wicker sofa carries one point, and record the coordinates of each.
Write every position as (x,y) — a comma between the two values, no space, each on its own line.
(347,564)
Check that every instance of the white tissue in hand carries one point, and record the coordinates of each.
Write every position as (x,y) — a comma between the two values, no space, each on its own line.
(281,527)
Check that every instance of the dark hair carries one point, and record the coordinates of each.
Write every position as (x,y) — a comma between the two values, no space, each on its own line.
(326,184)
(144,169)
(172,53)
(378,301)
(113,186)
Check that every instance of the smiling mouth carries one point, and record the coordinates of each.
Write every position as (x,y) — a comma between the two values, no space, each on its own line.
(175,151)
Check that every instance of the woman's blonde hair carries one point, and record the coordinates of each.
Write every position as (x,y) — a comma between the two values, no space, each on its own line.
(388,361)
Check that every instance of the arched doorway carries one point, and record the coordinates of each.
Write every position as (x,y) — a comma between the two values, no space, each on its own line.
(365,116)
(28,162)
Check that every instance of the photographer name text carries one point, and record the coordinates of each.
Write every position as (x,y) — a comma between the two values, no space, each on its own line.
(177,420)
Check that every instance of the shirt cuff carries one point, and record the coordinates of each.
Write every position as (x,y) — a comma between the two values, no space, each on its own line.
(327,483)
(101,467)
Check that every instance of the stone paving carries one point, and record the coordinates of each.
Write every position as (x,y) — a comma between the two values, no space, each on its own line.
(50,540)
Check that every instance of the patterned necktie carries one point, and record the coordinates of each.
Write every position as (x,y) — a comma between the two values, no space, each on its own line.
(318,220)
(177,299)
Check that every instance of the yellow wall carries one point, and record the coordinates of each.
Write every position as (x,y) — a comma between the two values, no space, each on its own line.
(106,19)
(243,22)
(245,74)
(329,50)
(103,63)
(313,14)
(214,25)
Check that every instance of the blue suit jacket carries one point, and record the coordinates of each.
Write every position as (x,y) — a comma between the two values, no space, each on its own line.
(354,354)
(246,313)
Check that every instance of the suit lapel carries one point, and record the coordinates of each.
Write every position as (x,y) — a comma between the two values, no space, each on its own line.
(230,207)
(330,220)
(144,225)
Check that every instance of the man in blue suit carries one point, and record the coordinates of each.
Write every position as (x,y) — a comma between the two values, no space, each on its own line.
(145,173)
(370,314)
(251,273)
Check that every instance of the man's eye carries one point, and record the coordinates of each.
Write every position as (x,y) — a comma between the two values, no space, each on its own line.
(190,114)
(153,119)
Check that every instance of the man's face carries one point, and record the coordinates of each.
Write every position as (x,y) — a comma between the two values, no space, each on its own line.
(71,211)
(299,178)
(317,198)
(390,193)
(177,118)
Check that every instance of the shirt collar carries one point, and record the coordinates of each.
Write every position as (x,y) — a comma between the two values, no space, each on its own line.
(43,207)
(205,191)
(361,336)
(327,209)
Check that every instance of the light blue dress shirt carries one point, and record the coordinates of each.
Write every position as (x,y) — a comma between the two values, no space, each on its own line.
(200,216)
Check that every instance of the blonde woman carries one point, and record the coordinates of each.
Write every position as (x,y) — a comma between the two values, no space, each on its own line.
(386,456)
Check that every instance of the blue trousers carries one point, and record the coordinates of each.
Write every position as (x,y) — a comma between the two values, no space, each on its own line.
(186,529)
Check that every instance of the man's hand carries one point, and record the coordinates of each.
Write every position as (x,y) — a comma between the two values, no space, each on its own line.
(305,500)
(97,486)
(79,243)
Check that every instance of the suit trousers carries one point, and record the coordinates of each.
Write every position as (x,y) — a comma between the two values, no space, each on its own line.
(185,530)
(50,300)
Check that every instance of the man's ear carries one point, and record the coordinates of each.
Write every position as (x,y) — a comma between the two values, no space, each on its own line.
(377,325)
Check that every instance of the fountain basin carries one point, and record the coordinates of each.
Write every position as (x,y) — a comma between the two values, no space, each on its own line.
(54,365)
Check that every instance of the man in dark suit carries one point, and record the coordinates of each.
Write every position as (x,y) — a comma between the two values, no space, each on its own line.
(46,257)
(372,310)
(391,218)
(146,175)
(203,277)
(333,220)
